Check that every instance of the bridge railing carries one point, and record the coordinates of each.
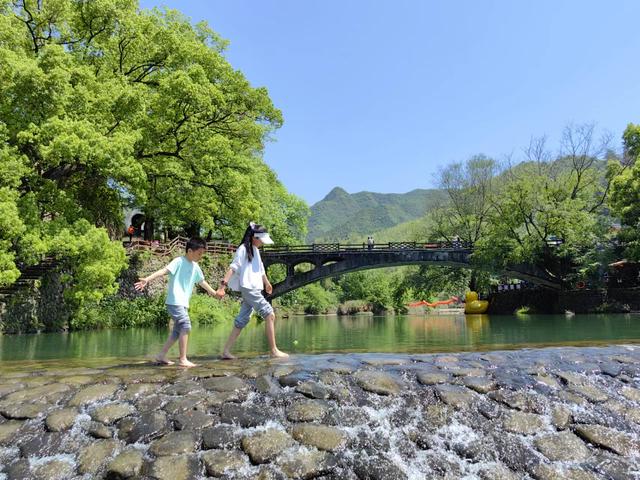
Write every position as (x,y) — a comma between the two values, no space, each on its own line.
(176,245)
(360,247)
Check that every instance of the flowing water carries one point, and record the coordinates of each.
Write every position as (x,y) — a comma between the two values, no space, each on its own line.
(409,408)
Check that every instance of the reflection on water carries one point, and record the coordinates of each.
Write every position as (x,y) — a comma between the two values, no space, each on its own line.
(359,333)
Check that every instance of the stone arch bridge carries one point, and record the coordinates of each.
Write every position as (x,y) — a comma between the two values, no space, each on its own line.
(335,259)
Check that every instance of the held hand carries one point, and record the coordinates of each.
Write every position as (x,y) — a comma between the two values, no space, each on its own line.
(220,293)
(140,285)
(268,288)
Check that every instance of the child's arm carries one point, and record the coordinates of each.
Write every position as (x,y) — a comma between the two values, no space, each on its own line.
(203,284)
(140,285)
(267,284)
(223,284)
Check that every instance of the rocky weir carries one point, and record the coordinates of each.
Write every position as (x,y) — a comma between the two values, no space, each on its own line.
(554,413)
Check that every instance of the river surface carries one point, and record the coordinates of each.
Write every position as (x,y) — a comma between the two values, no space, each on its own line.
(332,334)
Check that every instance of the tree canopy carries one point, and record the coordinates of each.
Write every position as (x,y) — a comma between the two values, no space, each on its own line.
(104,106)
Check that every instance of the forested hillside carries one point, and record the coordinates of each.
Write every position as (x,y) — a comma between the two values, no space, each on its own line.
(341,216)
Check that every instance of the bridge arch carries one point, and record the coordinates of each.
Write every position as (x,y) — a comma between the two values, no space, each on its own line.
(334,259)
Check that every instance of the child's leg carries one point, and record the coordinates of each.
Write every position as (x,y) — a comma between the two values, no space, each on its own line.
(162,356)
(238,324)
(270,330)
(182,345)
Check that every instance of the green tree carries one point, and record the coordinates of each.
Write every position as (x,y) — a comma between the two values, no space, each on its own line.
(103,106)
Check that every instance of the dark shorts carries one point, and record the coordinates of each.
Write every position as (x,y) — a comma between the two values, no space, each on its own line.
(181,320)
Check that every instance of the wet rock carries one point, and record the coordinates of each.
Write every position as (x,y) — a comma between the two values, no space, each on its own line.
(381,362)
(133,392)
(193,420)
(319,436)
(243,416)
(562,447)
(43,445)
(467,372)
(218,462)
(548,380)
(184,387)
(61,419)
(572,378)
(111,413)
(94,393)
(609,439)
(631,393)
(92,457)
(346,416)
(312,390)
(489,410)
(330,378)
(292,379)
(377,468)
(177,467)
(560,417)
(342,369)
(99,430)
(551,472)
(283,370)
(10,388)
(612,466)
(457,397)
(226,384)
(24,411)
(145,428)
(377,382)
(265,446)
(514,453)
(590,392)
(216,399)
(42,394)
(432,378)
(307,464)
(174,443)
(221,436)
(180,405)
(8,430)
(497,472)
(54,469)
(127,464)
(479,384)
(573,398)
(307,411)
(523,423)
(150,403)
(519,400)
(267,385)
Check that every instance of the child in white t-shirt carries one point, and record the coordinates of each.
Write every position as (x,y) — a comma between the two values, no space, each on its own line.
(246,274)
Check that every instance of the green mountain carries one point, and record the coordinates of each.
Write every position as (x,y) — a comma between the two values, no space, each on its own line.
(344,217)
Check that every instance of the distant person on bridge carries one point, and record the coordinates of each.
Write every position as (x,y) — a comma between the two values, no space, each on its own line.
(370,243)
(184,272)
(247,275)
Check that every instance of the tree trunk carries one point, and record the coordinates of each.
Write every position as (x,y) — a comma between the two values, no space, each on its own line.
(149,227)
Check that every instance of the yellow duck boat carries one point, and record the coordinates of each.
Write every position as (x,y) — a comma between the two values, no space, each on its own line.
(473,305)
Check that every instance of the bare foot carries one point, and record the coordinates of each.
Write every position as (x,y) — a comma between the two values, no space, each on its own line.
(186,363)
(163,361)
(227,356)
(278,354)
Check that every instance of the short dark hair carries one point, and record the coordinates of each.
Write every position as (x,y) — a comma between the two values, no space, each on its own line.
(196,243)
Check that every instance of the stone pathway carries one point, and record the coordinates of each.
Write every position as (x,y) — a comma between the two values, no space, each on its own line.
(556,413)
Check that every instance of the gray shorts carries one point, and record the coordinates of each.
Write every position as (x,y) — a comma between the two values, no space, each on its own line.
(251,300)
(181,320)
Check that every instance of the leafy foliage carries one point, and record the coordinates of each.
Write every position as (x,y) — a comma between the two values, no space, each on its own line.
(104,106)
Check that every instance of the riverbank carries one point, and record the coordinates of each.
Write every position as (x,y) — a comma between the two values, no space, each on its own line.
(547,414)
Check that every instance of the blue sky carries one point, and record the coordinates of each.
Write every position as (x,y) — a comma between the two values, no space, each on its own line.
(378,95)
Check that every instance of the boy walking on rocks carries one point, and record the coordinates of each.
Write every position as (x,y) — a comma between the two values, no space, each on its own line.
(184,272)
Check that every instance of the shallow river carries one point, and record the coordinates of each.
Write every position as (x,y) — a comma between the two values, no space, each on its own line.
(331,334)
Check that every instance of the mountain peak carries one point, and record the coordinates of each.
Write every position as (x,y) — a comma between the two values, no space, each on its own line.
(336,194)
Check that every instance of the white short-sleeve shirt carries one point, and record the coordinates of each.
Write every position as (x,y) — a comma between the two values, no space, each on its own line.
(247,274)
